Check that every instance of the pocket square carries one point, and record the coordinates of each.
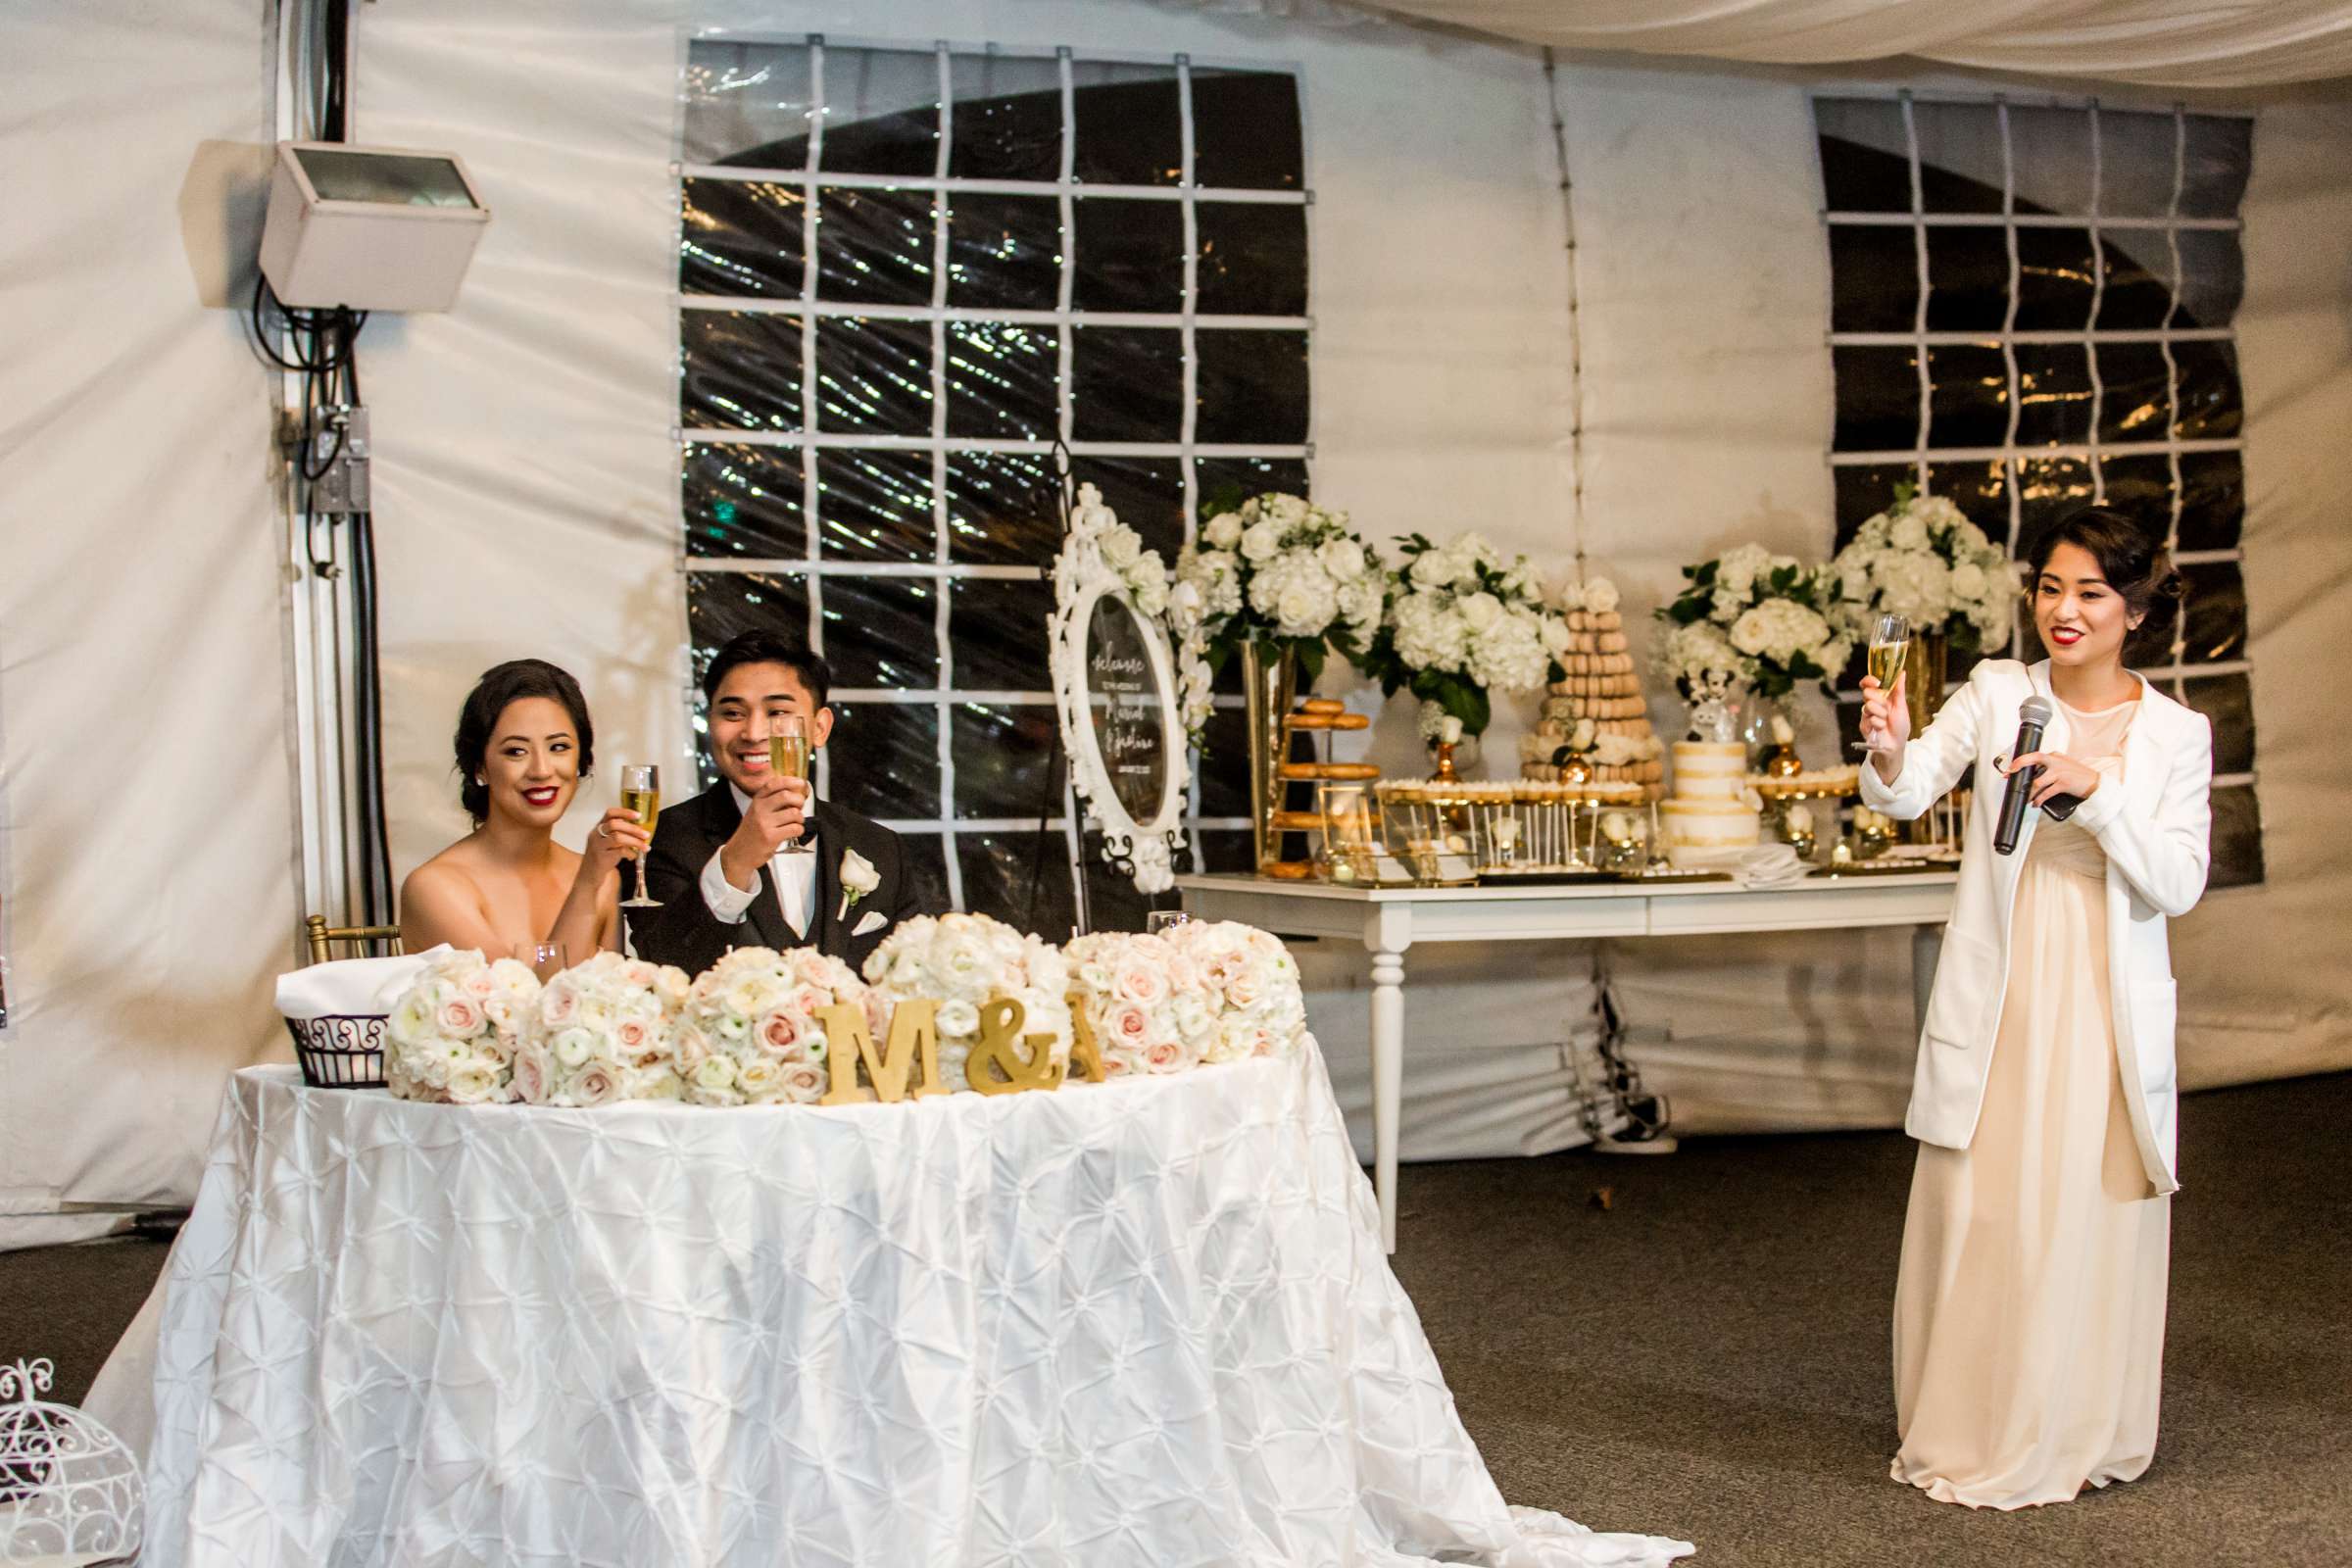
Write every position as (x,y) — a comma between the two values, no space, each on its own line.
(875,920)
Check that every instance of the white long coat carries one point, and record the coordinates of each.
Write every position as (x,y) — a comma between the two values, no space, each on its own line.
(2153,824)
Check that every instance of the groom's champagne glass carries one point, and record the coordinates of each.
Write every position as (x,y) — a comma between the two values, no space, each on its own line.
(1889,645)
(641,793)
(789,754)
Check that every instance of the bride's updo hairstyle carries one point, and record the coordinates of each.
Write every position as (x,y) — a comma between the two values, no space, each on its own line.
(2136,566)
(500,685)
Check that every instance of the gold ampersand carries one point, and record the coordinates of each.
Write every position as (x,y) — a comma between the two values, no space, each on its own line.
(1000,1047)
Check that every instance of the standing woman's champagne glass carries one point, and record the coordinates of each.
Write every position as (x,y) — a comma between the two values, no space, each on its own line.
(641,793)
(1889,644)
(789,754)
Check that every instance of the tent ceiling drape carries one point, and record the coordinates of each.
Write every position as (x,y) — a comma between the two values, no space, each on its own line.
(2168,43)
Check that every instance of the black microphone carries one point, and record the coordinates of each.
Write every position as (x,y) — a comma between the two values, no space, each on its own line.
(2033,718)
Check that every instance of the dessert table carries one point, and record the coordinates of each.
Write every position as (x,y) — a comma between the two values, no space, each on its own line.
(1388,920)
(1147,1322)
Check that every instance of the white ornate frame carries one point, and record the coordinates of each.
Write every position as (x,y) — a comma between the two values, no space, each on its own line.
(1084,574)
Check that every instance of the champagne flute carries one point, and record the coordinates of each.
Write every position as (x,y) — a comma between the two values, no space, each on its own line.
(1159,922)
(1889,644)
(789,754)
(641,793)
(546,959)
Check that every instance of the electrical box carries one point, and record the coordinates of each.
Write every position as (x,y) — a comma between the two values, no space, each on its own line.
(374,228)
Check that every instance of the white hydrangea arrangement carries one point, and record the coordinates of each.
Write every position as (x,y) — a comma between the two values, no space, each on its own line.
(750,1034)
(454,1035)
(961,960)
(1751,616)
(1141,571)
(1923,559)
(1462,622)
(1274,570)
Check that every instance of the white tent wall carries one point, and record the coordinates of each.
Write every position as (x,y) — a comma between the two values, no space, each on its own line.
(145,792)
(526,487)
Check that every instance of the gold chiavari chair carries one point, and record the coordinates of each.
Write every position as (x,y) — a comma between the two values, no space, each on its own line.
(363,940)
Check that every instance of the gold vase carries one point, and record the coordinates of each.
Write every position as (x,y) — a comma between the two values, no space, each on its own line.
(1925,660)
(1269,687)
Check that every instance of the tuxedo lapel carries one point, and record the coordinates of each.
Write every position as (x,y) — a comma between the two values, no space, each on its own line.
(824,920)
(767,912)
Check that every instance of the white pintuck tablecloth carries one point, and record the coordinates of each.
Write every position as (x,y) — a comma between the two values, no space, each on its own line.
(1144,1323)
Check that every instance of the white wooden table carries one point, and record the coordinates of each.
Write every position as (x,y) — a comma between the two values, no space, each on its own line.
(1388,920)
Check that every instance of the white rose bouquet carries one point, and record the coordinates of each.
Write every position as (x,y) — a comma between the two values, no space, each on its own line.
(1462,622)
(603,1031)
(749,1034)
(1273,571)
(1922,558)
(1250,983)
(1753,617)
(961,960)
(1145,1001)
(455,1034)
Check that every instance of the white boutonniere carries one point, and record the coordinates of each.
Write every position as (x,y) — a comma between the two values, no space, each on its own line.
(858,878)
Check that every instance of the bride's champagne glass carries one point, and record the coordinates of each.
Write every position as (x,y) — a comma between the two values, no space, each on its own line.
(641,793)
(790,754)
(1889,644)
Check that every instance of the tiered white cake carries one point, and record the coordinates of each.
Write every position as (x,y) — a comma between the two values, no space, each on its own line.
(1711,808)
(1601,686)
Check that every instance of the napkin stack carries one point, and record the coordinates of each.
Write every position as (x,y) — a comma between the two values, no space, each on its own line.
(351,988)
(1767,865)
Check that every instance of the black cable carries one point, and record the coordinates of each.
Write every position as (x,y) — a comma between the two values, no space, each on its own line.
(375,882)
(336,114)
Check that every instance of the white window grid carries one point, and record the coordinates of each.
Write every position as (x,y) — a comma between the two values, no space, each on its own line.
(2092,453)
(1064,317)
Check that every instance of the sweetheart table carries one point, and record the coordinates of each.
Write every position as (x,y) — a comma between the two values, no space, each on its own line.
(1388,921)
(1147,1322)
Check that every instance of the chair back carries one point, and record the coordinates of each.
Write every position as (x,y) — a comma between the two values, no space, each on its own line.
(358,941)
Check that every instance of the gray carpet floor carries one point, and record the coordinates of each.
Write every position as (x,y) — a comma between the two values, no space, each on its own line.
(1696,1345)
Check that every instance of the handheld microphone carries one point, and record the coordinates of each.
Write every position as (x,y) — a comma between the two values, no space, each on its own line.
(2033,718)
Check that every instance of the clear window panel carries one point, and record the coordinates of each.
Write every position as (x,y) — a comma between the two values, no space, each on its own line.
(881,112)
(744,502)
(1865,162)
(1959,157)
(1971,399)
(2056,278)
(2138,294)
(1225,849)
(2135,403)
(1127,383)
(1863,492)
(1002,381)
(2213,500)
(721,605)
(2212,403)
(882,759)
(2213,612)
(1112,902)
(875,505)
(926,863)
(1130,255)
(2141,488)
(1007,760)
(1878,399)
(1224,483)
(1003,252)
(1979,489)
(1246,130)
(1147,494)
(1129,124)
(1002,509)
(1968,279)
(1225,764)
(1253,258)
(2135,165)
(882,631)
(2047,489)
(874,247)
(873,375)
(999,631)
(1253,387)
(2237,839)
(2053,395)
(1022,879)
(2051,153)
(1874,275)
(746,104)
(740,372)
(2213,276)
(741,237)
(2228,702)
(2219,157)
(1006,116)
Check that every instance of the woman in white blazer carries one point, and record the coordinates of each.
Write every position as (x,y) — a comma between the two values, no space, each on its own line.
(2028,1321)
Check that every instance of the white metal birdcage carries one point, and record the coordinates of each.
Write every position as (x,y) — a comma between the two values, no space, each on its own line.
(71,1494)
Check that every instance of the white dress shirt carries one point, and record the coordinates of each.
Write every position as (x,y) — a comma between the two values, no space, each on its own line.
(794,874)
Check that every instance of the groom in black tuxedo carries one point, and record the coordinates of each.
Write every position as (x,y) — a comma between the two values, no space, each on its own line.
(721,866)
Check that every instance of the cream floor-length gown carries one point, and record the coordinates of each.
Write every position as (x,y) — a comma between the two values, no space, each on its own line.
(2029,1313)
